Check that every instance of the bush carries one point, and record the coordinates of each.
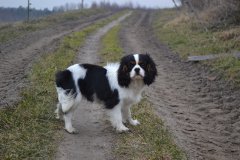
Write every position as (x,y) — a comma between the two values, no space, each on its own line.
(214,13)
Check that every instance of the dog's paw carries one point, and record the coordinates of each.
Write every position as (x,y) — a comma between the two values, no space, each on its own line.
(122,129)
(134,122)
(124,121)
(72,130)
(57,115)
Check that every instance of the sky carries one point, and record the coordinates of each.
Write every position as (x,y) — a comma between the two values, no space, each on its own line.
(41,4)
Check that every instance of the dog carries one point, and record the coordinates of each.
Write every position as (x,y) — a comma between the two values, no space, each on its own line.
(117,85)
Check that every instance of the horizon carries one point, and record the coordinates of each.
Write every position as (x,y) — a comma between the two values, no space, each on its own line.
(154,4)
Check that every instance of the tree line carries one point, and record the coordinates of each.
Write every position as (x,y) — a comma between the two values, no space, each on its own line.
(94,5)
(20,13)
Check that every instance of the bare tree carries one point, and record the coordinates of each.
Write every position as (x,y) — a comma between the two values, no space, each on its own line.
(94,5)
(175,4)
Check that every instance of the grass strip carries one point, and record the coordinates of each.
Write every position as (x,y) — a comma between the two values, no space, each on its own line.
(185,37)
(110,50)
(29,130)
(150,140)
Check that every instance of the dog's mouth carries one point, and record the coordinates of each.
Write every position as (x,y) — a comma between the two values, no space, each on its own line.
(137,77)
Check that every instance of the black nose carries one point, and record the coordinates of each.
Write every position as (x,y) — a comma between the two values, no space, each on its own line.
(137,70)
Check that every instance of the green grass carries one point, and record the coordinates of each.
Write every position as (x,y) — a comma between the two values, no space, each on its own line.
(14,30)
(187,38)
(110,51)
(29,130)
(150,140)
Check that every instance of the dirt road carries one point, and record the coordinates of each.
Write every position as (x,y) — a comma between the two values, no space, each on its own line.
(95,138)
(201,110)
(17,56)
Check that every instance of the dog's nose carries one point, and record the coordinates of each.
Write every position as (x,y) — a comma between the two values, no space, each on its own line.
(137,70)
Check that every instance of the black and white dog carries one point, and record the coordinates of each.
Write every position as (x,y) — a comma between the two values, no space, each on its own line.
(117,85)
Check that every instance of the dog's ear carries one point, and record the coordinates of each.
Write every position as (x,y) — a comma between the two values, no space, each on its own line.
(151,70)
(123,74)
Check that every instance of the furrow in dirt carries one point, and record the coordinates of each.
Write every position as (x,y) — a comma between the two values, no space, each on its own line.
(95,138)
(17,56)
(202,112)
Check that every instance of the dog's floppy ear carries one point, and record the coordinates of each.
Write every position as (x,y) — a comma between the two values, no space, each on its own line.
(123,74)
(151,70)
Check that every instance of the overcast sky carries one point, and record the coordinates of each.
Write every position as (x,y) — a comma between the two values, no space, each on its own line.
(41,4)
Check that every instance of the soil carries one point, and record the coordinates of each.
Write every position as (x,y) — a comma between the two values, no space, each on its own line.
(17,55)
(200,109)
(95,138)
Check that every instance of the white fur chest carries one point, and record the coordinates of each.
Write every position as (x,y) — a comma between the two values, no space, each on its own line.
(133,94)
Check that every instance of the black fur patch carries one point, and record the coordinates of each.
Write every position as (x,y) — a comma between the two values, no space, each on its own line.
(96,84)
(64,79)
(124,70)
(150,68)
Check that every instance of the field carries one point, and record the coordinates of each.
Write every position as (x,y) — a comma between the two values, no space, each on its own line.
(190,112)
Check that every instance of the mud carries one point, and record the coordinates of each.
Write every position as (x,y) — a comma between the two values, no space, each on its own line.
(200,109)
(17,56)
(95,138)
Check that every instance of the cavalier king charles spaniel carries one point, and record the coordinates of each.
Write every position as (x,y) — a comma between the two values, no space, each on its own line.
(117,85)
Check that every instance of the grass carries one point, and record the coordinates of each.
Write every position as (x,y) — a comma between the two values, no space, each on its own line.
(110,51)
(14,30)
(185,37)
(150,140)
(29,130)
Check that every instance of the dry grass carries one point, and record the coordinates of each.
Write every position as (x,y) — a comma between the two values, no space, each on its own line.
(182,19)
(230,34)
(186,38)
(215,13)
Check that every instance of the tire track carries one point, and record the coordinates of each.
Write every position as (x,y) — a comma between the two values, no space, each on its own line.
(202,114)
(17,56)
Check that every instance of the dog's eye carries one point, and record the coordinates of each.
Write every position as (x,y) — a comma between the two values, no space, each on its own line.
(132,63)
(141,63)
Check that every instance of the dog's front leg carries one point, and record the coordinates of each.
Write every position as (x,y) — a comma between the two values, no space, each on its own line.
(126,113)
(68,122)
(115,116)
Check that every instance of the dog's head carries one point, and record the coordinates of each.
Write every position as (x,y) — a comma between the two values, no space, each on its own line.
(136,67)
